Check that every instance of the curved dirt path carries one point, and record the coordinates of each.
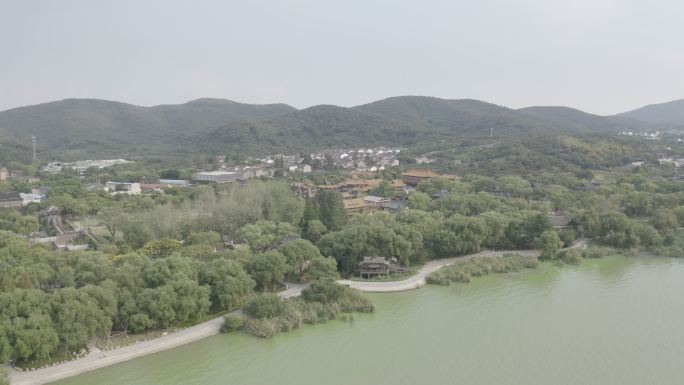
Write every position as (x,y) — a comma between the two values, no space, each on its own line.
(419,279)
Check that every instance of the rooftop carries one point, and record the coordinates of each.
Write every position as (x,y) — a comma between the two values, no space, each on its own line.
(217,173)
(5,197)
(422,173)
(560,220)
(350,204)
(374,260)
(374,199)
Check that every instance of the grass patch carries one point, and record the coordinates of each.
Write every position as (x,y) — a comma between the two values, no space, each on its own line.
(574,256)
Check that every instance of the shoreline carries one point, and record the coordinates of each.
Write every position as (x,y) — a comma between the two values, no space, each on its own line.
(101,359)
(419,279)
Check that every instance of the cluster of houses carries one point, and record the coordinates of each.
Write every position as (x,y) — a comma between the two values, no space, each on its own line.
(265,167)
(81,166)
(655,135)
(6,175)
(362,159)
(677,162)
(18,199)
(356,190)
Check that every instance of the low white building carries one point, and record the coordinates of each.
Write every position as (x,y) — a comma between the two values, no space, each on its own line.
(31,198)
(125,188)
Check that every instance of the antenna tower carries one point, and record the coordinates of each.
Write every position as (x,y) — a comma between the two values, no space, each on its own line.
(33,141)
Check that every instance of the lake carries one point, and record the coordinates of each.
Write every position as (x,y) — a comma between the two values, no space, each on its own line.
(611,321)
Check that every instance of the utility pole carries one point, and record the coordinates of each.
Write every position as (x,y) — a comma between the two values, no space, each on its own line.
(491,132)
(33,141)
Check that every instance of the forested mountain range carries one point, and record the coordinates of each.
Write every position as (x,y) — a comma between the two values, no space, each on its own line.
(113,126)
(215,125)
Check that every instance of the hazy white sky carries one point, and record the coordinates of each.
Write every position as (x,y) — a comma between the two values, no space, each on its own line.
(602,56)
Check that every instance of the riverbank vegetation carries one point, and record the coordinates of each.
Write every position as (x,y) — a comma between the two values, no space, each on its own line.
(464,271)
(55,303)
(268,315)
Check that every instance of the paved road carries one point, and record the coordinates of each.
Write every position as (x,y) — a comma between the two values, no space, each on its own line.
(293,290)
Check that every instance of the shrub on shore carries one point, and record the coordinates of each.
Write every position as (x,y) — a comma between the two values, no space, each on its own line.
(265,306)
(575,256)
(571,256)
(463,271)
(597,252)
(232,323)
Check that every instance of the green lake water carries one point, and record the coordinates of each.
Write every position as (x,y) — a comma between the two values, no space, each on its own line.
(610,321)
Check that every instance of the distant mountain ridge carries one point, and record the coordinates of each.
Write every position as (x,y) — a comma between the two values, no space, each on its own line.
(669,113)
(580,120)
(400,120)
(217,125)
(73,123)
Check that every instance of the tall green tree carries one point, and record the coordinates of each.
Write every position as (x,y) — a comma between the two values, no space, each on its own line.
(230,284)
(267,269)
(113,218)
(332,212)
(549,243)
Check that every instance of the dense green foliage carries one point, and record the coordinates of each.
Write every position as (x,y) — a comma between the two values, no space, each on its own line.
(415,236)
(145,278)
